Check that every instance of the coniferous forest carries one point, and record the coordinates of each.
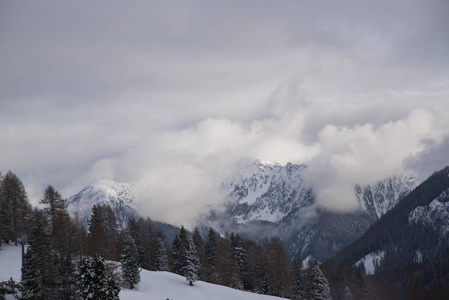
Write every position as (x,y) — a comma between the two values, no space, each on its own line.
(64,260)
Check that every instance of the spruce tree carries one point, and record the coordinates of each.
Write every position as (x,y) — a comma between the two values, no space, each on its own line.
(161,255)
(239,255)
(16,211)
(130,267)
(190,261)
(39,273)
(95,282)
(317,286)
(210,249)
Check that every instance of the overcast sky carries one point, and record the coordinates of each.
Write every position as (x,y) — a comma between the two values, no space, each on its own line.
(170,94)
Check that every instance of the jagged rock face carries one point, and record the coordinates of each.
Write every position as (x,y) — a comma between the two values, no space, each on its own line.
(266,199)
(377,199)
(434,215)
(265,192)
(117,195)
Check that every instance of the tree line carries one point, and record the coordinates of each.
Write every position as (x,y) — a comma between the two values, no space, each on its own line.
(64,260)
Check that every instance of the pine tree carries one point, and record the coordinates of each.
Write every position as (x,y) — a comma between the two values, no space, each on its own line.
(299,275)
(95,282)
(39,273)
(226,267)
(280,281)
(190,261)
(239,255)
(103,237)
(317,287)
(175,249)
(210,249)
(130,267)
(54,203)
(255,268)
(161,255)
(16,211)
(199,244)
(187,258)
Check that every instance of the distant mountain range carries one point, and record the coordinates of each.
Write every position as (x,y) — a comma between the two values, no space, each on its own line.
(264,199)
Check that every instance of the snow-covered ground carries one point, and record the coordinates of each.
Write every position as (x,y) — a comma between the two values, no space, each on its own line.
(10,262)
(153,285)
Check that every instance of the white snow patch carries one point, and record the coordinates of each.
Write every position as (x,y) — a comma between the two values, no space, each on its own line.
(371,261)
(10,262)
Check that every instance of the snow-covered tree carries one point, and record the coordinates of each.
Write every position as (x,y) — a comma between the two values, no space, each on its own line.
(317,286)
(95,282)
(191,263)
(130,266)
(187,258)
(161,255)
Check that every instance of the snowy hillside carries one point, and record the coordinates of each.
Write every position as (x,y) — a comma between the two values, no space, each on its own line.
(153,285)
(117,195)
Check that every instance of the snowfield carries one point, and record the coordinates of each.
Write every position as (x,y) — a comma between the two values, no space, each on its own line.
(153,285)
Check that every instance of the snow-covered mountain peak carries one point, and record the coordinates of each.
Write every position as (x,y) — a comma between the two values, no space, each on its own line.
(105,192)
(261,191)
(379,198)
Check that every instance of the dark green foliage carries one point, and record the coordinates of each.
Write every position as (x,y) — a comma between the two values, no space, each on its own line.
(95,282)
(15,209)
(103,236)
(40,275)
(130,267)
(143,233)
(210,249)
(53,202)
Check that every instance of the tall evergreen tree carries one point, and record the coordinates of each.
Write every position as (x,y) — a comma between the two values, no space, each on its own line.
(317,286)
(255,268)
(239,255)
(210,249)
(95,282)
(226,267)
(39,273)
(188,261)
(280,280)
(16,211)
(130,267)
(53,202)
(199,244)
(103,236)
(161,254)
